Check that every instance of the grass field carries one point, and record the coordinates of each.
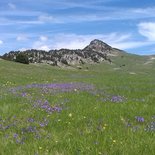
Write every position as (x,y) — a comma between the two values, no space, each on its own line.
(108,109)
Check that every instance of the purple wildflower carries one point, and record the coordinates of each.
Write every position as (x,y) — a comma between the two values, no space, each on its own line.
(44,123)
(45,105)
(28,129)
(117,99)
(30,120)
(139,119)
(15,135)
(7,127)
(24,94)
(58,109)
(31,129)
(55,87)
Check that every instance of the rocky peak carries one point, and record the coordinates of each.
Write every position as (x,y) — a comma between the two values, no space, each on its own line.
(98,45)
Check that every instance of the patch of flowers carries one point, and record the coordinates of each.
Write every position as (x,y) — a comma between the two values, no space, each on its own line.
(35,94)
(140,124)
(139,119)
(54,88)
(151,126)
(113,99)
(45,105)
(19,132)
(117,99)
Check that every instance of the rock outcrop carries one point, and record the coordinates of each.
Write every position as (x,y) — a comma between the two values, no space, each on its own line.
(96,52)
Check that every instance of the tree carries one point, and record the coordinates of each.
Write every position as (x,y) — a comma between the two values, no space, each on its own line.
(22,58)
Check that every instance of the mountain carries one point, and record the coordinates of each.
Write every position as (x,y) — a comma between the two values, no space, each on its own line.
(97,51)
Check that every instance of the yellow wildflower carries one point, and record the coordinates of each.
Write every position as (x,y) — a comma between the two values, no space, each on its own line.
(70,115)
(114,141)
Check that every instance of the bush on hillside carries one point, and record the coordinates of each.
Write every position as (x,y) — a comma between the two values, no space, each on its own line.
(22,58)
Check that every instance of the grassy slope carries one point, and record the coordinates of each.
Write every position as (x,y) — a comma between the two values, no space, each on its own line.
(87,124)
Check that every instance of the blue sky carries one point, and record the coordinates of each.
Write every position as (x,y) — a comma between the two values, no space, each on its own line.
(55,24)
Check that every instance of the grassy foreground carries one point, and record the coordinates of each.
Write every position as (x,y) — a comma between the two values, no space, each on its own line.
(100,111)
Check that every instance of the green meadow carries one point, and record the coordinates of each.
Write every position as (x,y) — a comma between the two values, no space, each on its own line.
(101,109)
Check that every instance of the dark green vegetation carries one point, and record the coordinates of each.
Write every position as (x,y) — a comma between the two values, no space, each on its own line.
(22,58)
(51,115)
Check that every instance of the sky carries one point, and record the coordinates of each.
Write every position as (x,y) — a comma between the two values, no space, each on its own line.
(54,24)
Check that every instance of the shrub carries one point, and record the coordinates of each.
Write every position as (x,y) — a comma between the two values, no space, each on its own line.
(22,58)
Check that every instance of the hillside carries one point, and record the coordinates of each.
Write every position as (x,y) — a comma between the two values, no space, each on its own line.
(96,52)
(103,108)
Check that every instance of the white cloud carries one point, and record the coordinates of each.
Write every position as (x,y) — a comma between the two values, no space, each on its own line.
(44,47)
(50,19)
(1,42)
(43,38)
(7,21)
(45,18)
(74,41)
(99,14)
(12,6)
(25,13)
(147,29)
(21,38)
(120,14)
(130,44)
(67,4)
(23,49)
(30,22)
(41,44)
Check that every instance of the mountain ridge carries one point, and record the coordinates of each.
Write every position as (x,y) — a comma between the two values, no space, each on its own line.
(96,52)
